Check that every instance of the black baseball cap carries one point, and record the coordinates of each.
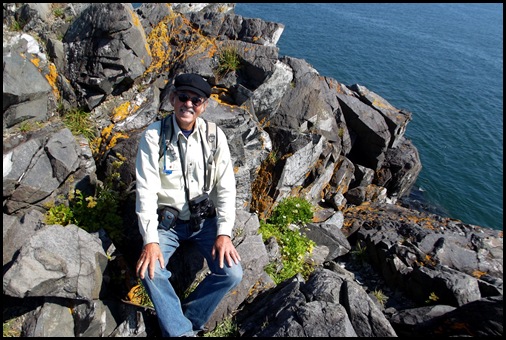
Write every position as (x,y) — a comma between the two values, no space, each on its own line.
(193,82)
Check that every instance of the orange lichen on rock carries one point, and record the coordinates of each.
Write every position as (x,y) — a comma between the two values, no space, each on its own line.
(51,78)
(176,30)
(121,112)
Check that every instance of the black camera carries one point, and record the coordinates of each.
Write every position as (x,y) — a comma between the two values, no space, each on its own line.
(200,207)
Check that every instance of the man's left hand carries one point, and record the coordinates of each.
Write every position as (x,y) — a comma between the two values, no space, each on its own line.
(224,248)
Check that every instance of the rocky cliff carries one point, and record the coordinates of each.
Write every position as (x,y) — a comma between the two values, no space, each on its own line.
(292,132)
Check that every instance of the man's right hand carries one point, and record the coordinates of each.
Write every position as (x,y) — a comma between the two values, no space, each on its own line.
(149,256)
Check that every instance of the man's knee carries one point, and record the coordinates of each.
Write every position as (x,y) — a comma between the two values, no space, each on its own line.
(235,275)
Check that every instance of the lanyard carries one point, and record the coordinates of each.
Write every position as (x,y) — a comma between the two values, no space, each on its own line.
(183,168)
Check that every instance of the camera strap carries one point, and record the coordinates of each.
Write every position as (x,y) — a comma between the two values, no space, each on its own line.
(167,127)
(183,168)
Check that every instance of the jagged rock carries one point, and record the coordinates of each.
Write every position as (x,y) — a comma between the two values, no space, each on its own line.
(57,261)
(85,41)
(16,231)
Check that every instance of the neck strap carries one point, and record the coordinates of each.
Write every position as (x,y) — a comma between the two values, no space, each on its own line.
(183,167)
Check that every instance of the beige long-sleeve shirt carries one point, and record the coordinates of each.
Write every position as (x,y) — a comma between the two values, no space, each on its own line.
(155,189)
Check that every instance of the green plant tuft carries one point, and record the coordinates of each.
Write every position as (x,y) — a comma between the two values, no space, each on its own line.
(432,298)
(228,60)
(380,296)
(359,254)
(292,210)
(285,225)
(225,329)
(79,122)
(92,212)
(58,12)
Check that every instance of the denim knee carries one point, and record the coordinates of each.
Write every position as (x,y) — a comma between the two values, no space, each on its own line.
(234,275)
(161,275)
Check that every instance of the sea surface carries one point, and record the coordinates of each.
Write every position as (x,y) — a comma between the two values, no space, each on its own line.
(442,62)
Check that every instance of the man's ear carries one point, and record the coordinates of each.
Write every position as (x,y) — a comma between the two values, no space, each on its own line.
(172,97)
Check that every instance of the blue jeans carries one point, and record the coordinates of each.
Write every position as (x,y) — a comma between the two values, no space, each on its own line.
(185,318)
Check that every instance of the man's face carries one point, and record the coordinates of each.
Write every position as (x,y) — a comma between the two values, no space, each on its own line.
(187,106)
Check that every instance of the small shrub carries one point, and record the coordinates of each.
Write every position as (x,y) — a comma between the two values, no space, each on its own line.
(59,214)
(285,226)
(92,212)
(99,211)
(292,210)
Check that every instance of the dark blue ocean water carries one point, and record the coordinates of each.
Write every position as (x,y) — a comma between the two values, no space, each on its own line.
(442,62)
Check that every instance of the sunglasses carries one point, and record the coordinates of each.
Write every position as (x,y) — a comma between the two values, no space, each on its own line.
(196,101)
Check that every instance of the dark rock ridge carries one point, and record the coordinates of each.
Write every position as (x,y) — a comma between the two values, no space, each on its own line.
(383,270)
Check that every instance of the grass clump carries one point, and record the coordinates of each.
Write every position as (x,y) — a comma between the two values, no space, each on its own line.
(359,254)
(285,225)
(228,60)
(80,123)
(226,329)
(380,297)
(433,298)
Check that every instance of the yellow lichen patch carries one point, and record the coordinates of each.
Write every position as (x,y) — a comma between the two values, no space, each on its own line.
(137,23)
(35,61)
(382,104)
(51,78)
(115,137)
(158,41)
(95,145)
(121,112)
(106,141)
(109,138)
(106,132)
(135,19)
(175,30)
(478,273)
(216,97)
(429,260)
